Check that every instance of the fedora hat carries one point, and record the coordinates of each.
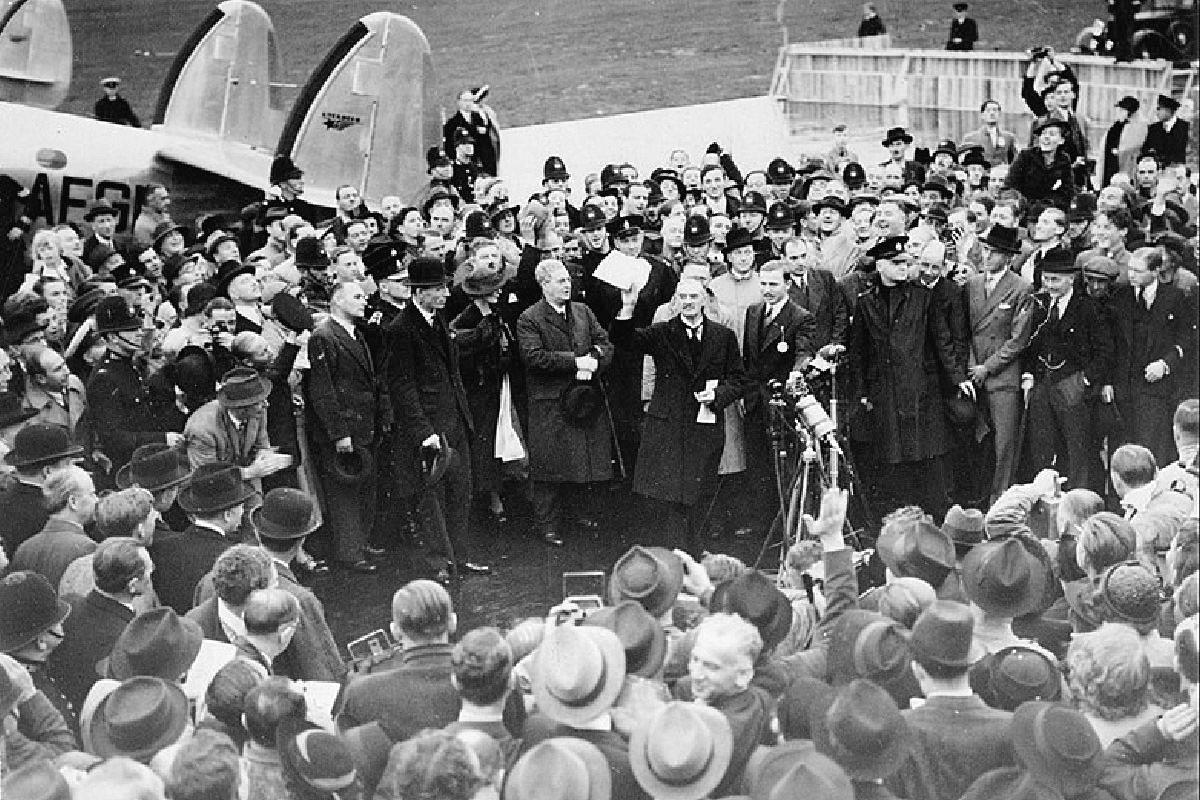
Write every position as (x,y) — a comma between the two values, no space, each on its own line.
(738,237)
(291,313)
(314,758)
(425,273)
(756,599)
(159,643)
(20,324)
(286,513)
(652,576)
(581,402)
(36,780)
(1059,261)
(100,208)
(944,634)
(39,443)
(227,271)
(1002,237)
(1058,745)
(917,549)
(965,528)
(591,217)
(482,281)
(351,469)
(310,254)
(578,673)
(28,606)
(696,232)
(213,488)
(141,716)
(435,464)
(863,731)
(796,771)
(154,467)
(115,315)
(1016,675)
(1003,578)
(561,768)
(681,752)
(163,229)
(897,135)
(242,387)
(642,637)
(866,644)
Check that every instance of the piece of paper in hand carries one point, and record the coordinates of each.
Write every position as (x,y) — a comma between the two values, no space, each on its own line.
(212,656)
(623,272)
(706,415)
(320,697)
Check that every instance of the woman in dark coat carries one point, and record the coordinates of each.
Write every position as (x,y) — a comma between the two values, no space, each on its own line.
(900,347)
(488,349)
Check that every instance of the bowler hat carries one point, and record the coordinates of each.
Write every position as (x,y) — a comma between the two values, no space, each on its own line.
(286,513)
(581,402)
(310,254)
(158,642)
(652,576)
(961,411)
(756,599)
(154,467)
(28,606)
(560,768)
(738,237)
(1058,261)
(863,731)
(213,488)
(1049,122)
(591,217)
(897,135)
(115,315)
(352,468)
(936,183)
(1129,103)
(1058,745)
(918,549)
(13,411)
(555,169)
(36,779)
(164,229)
(1003,238)
(975,156)
(284,169)
(425,273)
(41,443)
(291,313)
(141,716)
(780,217)
(959,6)
(964,526)
(696,232)
(101,207)
(242,387)
(578,673)
(1003,578)
(780,172)
(314,758)
(641,636)
(1016,675)
(944,635)
(227,271)
(755,202)
(1169,103)
(1130,594)
(681,751)
(796,771)
(889,248)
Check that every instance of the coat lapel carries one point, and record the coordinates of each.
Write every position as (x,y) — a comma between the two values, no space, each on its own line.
(677,332)
(753,325)
(774,330)
(1001,293)
(814,291)
(355,347)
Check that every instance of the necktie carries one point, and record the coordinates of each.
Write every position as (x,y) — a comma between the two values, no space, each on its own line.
(1141,296)
(1055,314)
(694,342)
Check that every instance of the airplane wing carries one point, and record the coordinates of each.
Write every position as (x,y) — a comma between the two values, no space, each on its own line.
(35,52)
(237,162)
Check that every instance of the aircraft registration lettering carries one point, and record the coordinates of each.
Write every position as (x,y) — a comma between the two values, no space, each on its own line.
(77,193)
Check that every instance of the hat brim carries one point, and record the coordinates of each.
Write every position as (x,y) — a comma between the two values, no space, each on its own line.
(18,462)
(701,786)
(1069,780)
(860,766)
(255,399)
(601,700)
(446,458)
(164,234)
(116,665)
(483,288)
(104,746)
(269,530)
(124,479)
(13,642)
(906,138)
(337,469)
(187,500)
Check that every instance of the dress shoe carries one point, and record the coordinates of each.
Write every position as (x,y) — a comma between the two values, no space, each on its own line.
(371,551)
(587,524)
(743,532)
(550,537)
(362,566)
(471,568)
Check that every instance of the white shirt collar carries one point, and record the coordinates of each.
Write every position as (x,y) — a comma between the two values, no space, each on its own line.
(1148,293)
(347,326)
(200,523)
(1064,301)
(231,622)
(470,713)
(1170,123)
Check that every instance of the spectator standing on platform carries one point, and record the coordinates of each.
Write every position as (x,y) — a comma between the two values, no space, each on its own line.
(963,31)
(1168,137)
(871,24)
(114,108)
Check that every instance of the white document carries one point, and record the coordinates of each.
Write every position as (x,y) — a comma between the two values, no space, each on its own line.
(623,272)
(706,415)
(212,656)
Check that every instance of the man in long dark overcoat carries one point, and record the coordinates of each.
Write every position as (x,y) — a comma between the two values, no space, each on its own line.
(698,372)
(564,349)
(900,347)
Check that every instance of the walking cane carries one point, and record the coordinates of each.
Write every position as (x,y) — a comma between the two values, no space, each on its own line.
(1020,438)
(612,430)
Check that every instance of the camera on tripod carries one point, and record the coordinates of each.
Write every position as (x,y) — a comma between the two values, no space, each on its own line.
(795,399)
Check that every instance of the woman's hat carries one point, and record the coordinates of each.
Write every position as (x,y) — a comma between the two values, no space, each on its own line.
(482,281)
(28,606)
(286,513)
(578,673)
(154,467)
(36,780)
(681,752)
(163,229)
(1016,675)
(141,716)
(213,488)
(965,528)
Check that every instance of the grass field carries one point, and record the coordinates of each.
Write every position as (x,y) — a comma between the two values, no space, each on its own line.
(552,60)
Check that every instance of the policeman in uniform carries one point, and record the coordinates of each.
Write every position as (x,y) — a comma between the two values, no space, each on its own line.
(118,392)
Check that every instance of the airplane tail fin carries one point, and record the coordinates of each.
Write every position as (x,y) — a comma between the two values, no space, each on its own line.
(366,113)
(223,83)
(35,52)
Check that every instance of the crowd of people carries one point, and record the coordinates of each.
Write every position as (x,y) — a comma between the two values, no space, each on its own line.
(197,418)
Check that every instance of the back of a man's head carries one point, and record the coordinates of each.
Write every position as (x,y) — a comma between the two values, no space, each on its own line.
(225,697)
(120,778)
(1187,650)
(268,704)
(1134,465)
(267,610)
(116,562)
(239,571)
(482,665)
(422,611)
(1187,423)
(431,764)
(1079,504)
(206,767)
